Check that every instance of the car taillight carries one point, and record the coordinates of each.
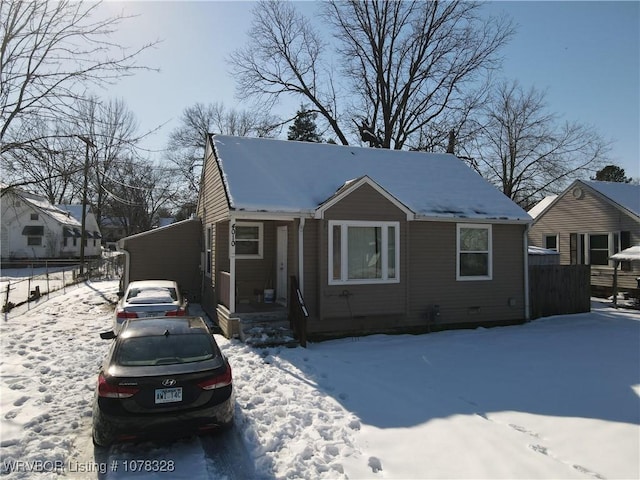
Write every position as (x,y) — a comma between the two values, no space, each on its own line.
(114,391)
(217,382)
(181,312)
(125,314)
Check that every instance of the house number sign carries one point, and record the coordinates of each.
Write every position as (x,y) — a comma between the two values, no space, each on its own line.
(233,235)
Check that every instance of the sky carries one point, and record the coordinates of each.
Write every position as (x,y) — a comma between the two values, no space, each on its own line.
(584,55)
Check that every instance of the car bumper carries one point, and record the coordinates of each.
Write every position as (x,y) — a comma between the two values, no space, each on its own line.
(108,429)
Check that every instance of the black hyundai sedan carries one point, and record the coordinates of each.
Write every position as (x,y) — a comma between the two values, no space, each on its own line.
(162,377)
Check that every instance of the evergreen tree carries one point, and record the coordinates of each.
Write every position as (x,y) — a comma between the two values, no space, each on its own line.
(304,128)
(612,173)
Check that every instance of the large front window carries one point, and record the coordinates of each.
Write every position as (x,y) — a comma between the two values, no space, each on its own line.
(364,252)
(474,252)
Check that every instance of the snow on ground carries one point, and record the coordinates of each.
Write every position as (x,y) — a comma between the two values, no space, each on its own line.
(555,398)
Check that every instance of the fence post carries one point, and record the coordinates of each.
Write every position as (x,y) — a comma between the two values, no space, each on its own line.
(29,289)
(5,308)
(46,266)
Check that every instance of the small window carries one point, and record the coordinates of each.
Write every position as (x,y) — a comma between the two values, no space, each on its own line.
(474,259)
(34,216)
(247,239)
(34,241)
(551,242)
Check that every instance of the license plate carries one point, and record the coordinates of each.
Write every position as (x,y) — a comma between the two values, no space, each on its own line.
(152,314)
(169,395)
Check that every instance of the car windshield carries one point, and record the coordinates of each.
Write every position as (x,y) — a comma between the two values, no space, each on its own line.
(152,295)
(165,350)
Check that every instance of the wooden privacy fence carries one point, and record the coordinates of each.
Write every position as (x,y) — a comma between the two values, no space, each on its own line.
(559,289)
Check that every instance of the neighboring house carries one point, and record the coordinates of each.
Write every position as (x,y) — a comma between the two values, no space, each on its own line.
(94,237)
(589,222)
(378,240)
(34,228)
(112,230)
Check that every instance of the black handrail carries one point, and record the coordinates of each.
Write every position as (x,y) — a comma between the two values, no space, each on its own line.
(298,313)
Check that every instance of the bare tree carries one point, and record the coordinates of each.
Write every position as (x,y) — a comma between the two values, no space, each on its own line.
(49,53)
(187,141)
(528,152)
(49,167)
(113,130)
(136,192)
(405,64)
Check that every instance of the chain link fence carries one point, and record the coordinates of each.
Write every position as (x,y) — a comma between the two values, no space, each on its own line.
(28,281)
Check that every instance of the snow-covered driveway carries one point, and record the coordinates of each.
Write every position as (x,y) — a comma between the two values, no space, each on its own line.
(556,398)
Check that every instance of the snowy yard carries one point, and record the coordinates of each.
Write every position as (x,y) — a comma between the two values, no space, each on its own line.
(556,398)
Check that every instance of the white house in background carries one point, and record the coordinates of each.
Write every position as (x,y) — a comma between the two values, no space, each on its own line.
(31,227)
(94,236)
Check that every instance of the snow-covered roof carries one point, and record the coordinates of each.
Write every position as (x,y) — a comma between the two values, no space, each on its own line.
(541,206)
(74,210)
(626,195)
(51,210)
(296,177)
(541,251)
(628,254)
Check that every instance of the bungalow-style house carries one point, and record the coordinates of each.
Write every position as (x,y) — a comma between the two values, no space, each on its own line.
(376,240)
(588,223)
(34,228)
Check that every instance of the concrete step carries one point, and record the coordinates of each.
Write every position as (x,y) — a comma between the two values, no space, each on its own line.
(267,335)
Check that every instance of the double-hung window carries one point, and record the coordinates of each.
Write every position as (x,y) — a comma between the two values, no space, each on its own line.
(247,239)
(474,257)
(363,252)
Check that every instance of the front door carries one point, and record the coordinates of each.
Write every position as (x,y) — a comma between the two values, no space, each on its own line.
(281,261)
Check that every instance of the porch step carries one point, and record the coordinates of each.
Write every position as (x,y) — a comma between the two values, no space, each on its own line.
(266,329)
(267,335)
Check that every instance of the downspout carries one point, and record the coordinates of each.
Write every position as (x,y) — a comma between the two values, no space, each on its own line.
(301,256)
(527,313)
(127,264)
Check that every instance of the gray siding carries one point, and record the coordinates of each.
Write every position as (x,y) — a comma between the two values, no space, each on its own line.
(427,276)
(589,215)
(432,279)
(213,208)
(354,308)
(171,253)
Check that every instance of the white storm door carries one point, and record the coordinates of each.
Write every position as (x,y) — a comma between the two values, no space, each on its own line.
(281,260)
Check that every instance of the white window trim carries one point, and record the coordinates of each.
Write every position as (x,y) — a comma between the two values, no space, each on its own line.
(344,267)
(557,237)
(260,239)
(610,247)
(465,278)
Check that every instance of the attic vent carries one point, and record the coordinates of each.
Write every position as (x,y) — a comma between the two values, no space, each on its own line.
(578,193)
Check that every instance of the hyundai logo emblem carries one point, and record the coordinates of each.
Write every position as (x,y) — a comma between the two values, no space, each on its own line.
(169,382)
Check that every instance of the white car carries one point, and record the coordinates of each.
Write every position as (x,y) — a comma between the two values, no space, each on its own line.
(150,298)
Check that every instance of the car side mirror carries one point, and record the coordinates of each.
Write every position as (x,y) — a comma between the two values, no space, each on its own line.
(120,294)
(110,335)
